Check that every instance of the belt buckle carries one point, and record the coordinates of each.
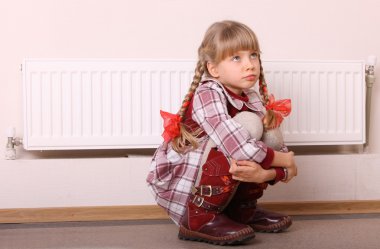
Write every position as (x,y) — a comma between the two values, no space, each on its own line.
(199,199)
(210,190)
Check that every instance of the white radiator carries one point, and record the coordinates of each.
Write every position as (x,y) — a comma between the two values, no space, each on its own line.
(110,104)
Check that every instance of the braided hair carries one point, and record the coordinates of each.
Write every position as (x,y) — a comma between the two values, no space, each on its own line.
(187,138)
(270,118)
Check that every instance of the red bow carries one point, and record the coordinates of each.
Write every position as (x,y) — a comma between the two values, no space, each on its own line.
(281,108)
(171,125)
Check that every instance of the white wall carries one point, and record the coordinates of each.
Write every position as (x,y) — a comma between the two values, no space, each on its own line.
(171,29)
(38,183)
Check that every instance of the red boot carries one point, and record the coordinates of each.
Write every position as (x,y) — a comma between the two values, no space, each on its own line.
(243,208)
(203,219)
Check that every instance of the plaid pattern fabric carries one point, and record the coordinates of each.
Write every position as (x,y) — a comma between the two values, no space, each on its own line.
(172,174)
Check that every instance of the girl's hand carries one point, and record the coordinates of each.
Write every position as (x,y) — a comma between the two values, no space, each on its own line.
(292,172)
(290,166)
(247,171)
(284,159)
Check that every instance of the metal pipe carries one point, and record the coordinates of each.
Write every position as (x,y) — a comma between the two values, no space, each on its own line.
(370,80)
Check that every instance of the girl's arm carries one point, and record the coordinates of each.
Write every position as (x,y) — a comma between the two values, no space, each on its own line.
(247,171)
(283,159)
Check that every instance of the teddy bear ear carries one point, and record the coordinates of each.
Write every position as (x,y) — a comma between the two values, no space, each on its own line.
(252,123)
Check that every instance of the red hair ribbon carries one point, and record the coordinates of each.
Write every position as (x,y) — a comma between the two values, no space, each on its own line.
(171,125)
(281,108)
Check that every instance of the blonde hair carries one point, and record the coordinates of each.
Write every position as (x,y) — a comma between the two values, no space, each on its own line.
(222,39)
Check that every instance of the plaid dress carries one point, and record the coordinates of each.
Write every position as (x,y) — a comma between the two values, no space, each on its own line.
(172,175)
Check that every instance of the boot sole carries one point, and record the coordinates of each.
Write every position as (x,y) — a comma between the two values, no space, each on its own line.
(240,238)
(275,228)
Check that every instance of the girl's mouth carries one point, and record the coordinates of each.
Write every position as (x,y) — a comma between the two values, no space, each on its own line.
(250,77)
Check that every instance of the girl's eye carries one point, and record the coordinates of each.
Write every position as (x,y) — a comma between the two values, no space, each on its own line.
(254,55)
(235,58)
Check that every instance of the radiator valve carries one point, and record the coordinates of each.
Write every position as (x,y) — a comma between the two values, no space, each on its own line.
(370,65)
(10,150)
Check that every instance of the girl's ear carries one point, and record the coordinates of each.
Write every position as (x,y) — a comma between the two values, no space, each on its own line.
(212,69)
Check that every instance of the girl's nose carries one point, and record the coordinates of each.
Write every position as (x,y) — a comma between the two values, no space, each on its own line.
(249,64)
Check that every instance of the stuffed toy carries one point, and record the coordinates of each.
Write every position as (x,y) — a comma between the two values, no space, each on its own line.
(250,121)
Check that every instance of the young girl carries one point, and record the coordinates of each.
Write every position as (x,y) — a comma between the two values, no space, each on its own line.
(210,197)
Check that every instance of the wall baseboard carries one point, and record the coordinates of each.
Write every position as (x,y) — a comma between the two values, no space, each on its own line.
(152,212)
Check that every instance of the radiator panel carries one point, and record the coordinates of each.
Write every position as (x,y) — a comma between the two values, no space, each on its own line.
(328,100)
(110,104)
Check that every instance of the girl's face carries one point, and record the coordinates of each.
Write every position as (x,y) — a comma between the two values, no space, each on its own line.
(237,72)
